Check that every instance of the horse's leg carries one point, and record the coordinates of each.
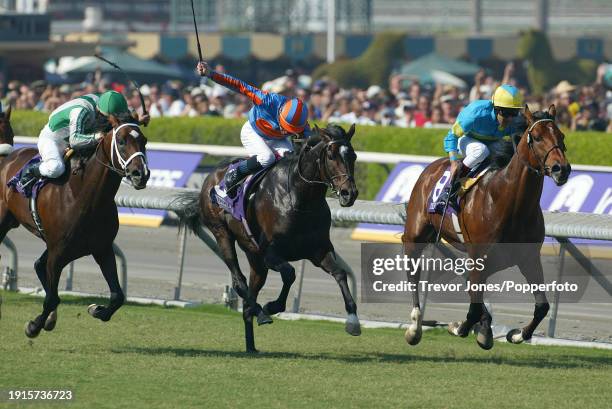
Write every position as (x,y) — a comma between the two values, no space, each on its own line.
(40,266)
(257,279)
(227,246)
(533,273)
(50,280)
(476,313)
(287,272)
(7,222)
(327,261)
(108,264)
(415,329)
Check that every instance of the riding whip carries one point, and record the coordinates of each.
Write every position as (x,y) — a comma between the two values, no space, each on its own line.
(134,83)
(195,25)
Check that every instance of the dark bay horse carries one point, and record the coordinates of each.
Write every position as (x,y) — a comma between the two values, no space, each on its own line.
(503,207)
(289,219)
(77,213)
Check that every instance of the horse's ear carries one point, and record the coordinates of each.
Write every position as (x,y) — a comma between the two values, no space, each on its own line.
(528,115)
(552,111)
(113,120)
(350,132)
(8,112)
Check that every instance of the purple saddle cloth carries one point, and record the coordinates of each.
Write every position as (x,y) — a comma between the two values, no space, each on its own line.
(434,196)
(236,206)
(26,191)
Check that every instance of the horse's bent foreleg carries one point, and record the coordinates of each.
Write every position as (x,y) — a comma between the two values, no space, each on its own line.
(533,273)
(287,272)
(476,314)
(330,264)
(108,264)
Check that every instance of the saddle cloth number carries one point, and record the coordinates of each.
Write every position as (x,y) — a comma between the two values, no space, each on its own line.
(440,186)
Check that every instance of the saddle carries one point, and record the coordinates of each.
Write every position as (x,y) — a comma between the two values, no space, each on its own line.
(31,192)
(236,206)
(465,184)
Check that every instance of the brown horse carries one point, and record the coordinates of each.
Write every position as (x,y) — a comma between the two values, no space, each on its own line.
(77,212)
(289,219)
(6,133)
(504,207)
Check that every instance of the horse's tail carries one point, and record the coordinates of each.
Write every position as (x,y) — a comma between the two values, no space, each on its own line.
(190,216)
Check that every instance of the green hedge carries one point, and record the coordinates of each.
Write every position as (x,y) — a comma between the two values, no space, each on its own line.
(590,148)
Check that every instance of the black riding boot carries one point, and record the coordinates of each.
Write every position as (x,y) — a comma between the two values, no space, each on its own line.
(29,176)
(235,176)
(450,191)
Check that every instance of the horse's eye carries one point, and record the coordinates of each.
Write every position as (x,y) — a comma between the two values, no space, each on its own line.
(121,142)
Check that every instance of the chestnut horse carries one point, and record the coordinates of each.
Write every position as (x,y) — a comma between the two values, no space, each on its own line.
(78,213)
(6,143)
(503,207)
(289,219)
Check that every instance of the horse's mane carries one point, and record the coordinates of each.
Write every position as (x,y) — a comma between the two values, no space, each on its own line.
(334,131)
(502,155)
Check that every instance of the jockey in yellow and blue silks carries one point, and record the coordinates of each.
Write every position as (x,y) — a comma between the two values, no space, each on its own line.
(479,127)
(272,119)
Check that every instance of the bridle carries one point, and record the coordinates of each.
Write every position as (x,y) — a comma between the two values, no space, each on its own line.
(322,165)
(543,169)
(116,154)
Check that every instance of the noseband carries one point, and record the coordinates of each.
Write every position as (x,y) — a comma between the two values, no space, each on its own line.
(322,164)
(116,155)
(543,169)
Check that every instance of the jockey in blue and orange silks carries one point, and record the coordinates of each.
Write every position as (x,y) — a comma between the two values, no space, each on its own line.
(478,130)
(272,119)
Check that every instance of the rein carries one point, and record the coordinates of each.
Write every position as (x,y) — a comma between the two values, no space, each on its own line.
(123,163)
(329,180)
(543,169)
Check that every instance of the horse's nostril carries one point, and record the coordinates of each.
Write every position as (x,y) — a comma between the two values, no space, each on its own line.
(135,174)
(344,193)
(556,168)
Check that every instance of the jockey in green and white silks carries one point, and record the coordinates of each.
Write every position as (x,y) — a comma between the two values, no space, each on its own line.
(72,125)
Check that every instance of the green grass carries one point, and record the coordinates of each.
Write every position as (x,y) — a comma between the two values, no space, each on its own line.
(153,357)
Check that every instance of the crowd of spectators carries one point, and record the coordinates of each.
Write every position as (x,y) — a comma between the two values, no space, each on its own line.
(405,103)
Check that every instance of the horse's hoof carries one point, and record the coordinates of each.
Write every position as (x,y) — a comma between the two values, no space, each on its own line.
(515,336)
(454,328)
(485,338)
(252,351)
(273,307)
(51,321)
(263,318)
(413,334)
(32,330)
(353,327)
(98,311)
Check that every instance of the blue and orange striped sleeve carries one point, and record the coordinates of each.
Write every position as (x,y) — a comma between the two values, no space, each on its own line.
(255,94)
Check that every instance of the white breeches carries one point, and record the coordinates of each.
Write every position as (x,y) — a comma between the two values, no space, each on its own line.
(51,148)
(474,151)
(263,148)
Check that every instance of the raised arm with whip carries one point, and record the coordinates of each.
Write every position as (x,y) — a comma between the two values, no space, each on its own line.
(195,25)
